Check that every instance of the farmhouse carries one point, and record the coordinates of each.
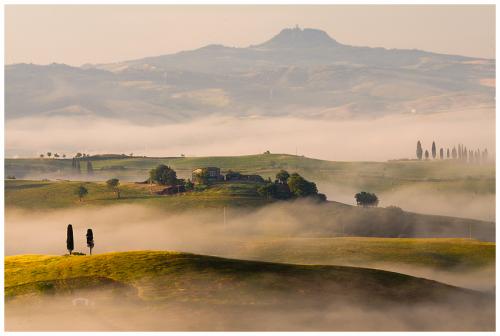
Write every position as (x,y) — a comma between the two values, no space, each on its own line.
(212,174)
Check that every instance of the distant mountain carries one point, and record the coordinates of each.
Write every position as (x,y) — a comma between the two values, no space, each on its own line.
(301,72)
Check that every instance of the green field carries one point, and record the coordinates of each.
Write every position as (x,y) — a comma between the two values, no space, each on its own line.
(437,175)
(454,255)
(61,194)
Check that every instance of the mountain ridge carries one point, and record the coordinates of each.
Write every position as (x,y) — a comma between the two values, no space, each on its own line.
(299,72)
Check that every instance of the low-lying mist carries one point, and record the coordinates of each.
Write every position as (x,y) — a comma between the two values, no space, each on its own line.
(134,227)
(60,314)
(423,200)
(390,137)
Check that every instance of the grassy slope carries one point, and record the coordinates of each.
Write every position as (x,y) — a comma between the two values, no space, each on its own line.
(160,276)
(440,254)
(60,194)
(374,176)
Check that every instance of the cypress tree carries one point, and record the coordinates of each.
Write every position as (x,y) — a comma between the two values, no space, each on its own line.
(90,240)
(433,149)
(447,153)
(454,153)
(426,154)
(441,153)
(419,150)
(70,245)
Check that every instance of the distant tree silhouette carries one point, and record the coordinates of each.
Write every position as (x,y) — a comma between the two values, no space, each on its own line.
(90,240)
(433,150)
(70,245)
(441,153)
(41,156)
(459,152)
(419,150)
(426,154)
(81,192)
(90,169)
(447,153)
(366,199)
(485,155)
(49,154)
(113,184)
(454,153)
(64,156)
(56,155)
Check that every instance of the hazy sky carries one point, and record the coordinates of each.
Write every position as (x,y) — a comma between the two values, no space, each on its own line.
(75,34)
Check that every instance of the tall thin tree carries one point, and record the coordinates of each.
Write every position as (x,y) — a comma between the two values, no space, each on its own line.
(90,240)
(433,149)
(419,150)
(70,245)
(441,153)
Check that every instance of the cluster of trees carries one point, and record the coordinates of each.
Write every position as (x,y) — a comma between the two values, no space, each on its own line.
(70,242)
(113,185)
(287,186)
(459,152)
(165,175)
(366,199)
(55,155)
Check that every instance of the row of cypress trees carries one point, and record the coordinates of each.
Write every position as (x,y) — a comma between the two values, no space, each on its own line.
(75,164)
(70,243)
(457,153)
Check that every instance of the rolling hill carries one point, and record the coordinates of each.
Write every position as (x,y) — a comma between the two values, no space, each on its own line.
(152,282)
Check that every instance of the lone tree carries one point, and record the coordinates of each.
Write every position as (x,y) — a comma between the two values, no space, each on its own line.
(49,154)
(70,245)
(90,240)
(419,150)
(441,153)
(282,176)
(81,192)
(426,154)
(366,199)
(90,169)
(113,185)
(163,175)
(447,153)
(433,149)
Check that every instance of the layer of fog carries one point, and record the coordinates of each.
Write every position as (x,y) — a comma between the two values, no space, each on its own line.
(424,200)
(134,227)
(390,137)
(115,314)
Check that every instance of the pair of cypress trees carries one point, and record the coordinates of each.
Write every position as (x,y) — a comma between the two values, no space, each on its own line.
(70,243)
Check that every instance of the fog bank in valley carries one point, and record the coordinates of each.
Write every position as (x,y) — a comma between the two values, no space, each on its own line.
(390,137)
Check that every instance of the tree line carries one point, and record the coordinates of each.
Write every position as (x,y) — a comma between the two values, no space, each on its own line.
(459,152)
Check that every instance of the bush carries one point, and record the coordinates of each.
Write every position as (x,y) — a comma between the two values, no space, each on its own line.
(366,199)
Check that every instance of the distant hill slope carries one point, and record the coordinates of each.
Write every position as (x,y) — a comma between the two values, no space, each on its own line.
(325,219)
(375,176)
(300,72)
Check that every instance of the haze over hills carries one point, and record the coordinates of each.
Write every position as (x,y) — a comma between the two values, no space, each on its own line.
(299,72)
